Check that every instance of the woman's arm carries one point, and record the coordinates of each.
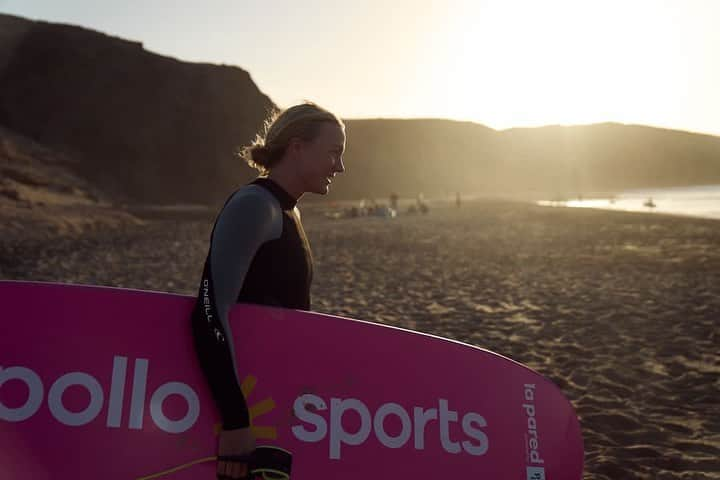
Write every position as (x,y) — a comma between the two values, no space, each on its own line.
(249,219)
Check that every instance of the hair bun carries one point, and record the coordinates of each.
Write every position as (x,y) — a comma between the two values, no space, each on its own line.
(260,155)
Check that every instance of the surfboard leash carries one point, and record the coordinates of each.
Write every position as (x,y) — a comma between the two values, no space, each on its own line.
(265,463)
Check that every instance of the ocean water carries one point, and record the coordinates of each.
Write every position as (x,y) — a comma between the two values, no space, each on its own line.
(697,201)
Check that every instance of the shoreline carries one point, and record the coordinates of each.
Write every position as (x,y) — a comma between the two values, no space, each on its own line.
(702,201)
(617,210)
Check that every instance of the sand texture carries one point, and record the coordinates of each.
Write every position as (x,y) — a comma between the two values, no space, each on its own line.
(621,310)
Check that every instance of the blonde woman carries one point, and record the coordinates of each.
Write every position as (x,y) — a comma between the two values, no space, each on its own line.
(259,254)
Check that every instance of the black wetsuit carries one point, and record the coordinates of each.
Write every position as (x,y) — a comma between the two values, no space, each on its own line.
(258,254)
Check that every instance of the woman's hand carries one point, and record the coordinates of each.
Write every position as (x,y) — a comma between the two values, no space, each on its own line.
(234,449)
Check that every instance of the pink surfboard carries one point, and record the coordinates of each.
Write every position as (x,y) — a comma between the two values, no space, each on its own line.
(99,382)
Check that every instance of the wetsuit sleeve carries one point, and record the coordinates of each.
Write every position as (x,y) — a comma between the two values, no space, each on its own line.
(246,222)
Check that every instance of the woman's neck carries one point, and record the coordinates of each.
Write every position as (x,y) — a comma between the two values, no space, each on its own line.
(287,182)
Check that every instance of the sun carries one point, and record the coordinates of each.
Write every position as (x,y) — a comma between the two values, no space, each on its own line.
(553,62)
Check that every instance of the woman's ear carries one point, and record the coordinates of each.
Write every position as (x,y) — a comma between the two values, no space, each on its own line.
(295,145)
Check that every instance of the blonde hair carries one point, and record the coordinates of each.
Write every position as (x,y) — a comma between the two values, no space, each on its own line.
(303,121)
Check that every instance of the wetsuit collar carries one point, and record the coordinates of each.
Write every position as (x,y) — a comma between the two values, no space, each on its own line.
(286,200)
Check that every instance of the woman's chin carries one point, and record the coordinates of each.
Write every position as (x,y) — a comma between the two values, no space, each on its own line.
(322,189)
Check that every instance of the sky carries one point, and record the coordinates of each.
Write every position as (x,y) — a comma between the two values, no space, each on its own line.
(501,63)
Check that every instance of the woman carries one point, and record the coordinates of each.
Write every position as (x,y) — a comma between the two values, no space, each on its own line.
(259,254)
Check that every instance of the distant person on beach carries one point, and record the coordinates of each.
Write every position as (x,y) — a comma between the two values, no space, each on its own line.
(422,206)
(457,199)
(259,254)
(394,201)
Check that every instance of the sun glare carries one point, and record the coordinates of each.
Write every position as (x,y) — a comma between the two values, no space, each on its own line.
(523,62)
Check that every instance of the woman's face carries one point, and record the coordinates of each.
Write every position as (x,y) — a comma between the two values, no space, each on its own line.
(322,159)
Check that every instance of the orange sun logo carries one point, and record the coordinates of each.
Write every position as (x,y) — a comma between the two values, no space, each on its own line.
(257,410)
(261,431)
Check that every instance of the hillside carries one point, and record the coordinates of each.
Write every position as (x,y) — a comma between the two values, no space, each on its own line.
(143,128)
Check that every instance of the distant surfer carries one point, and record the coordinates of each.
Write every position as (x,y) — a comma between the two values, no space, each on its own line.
(394,201)
(259,254)
(422,205)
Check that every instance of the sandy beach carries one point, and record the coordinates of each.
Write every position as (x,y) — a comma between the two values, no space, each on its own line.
(620,310)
